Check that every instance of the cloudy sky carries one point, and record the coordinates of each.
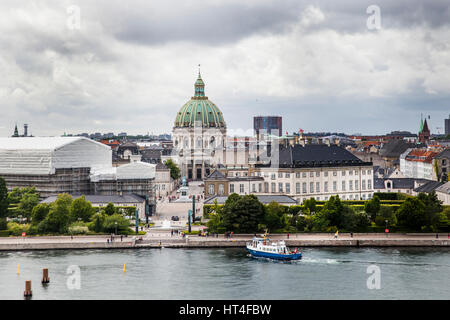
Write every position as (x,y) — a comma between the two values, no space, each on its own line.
(130,65)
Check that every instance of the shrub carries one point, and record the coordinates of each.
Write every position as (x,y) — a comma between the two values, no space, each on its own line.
(16,229)
(3,224)
(78,229)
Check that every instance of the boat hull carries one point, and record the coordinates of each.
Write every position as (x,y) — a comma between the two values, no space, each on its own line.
(276,256)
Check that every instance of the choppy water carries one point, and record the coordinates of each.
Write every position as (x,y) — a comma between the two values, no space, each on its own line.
(335,273)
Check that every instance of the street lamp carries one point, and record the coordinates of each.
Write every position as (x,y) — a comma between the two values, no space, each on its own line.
(386,230)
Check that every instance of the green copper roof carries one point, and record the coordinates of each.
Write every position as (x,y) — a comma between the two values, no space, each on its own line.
(199,108)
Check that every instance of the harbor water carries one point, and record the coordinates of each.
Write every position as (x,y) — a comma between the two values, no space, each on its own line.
(322,273)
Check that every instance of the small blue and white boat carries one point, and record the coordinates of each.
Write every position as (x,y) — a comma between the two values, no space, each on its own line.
(263,247)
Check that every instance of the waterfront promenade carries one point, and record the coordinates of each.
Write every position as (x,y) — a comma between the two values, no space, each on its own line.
(164,239)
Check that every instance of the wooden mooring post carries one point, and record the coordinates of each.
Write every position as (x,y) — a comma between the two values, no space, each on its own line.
(45,278)
(27,292)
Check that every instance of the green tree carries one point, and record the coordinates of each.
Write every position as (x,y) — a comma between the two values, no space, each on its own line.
(110,209)
(372,207)
(310,204)
(81,209)
(274,216)
(386,213)
(58,219)
(174,170)
(109,224)
(411,214)
(433,209)
(242,214)
(27,203)
(39,213)
(4,202)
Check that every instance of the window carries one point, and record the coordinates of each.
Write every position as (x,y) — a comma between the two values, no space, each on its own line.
(317,186)
(297,187)
(273,177)
(304,174)
(334,186)
(211,189)
(221,189)
(311,174)
(266,187)
(280,174)
(369,171)
(304,187)
(297,174)
(334,173)
(259,187)
(343,185)
(350,185)
(350,197)
(356,185)
(311,187)
(241,188)
(364,172)
(280,187)
(363,186)
(343,173)
(231,188)
(350,172)
(273,187)
(325,174)
(325,186)
(287,175)
(317,173)
(253,187)
(364,197)
(369,184)
(288,188)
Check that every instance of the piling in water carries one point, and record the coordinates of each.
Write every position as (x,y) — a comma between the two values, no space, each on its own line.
(27,292)
(45,278)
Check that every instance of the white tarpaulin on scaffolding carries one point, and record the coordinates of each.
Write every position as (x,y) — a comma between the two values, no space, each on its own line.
(42,155)
(134,170)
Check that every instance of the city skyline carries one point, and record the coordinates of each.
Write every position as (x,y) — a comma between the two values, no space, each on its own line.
(131,68)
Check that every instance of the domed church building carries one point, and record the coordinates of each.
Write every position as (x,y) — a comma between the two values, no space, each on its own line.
(199,133)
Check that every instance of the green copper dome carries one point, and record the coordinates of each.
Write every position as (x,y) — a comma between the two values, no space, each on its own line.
(200,109)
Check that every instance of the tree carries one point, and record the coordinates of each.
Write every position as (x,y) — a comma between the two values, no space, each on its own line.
(273,217)
(27,203)
(310,204)
(39,213)
(242,214)
(58,218)
(109,224)
(385,213)
(174,170)
(4,202)
(81,209)
(110,209)
(433,208)
(411,214)
(372,207)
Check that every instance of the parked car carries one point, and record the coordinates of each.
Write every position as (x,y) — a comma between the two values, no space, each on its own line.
(175,218)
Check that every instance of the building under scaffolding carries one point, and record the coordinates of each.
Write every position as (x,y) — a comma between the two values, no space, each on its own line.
(74,165)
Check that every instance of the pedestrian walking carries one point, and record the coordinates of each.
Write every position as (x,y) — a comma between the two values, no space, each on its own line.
(121,237)
(437,235)
(288,235)
(351,234)
(336,234)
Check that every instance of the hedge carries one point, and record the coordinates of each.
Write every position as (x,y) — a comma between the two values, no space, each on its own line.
(4,233)
(294,209)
